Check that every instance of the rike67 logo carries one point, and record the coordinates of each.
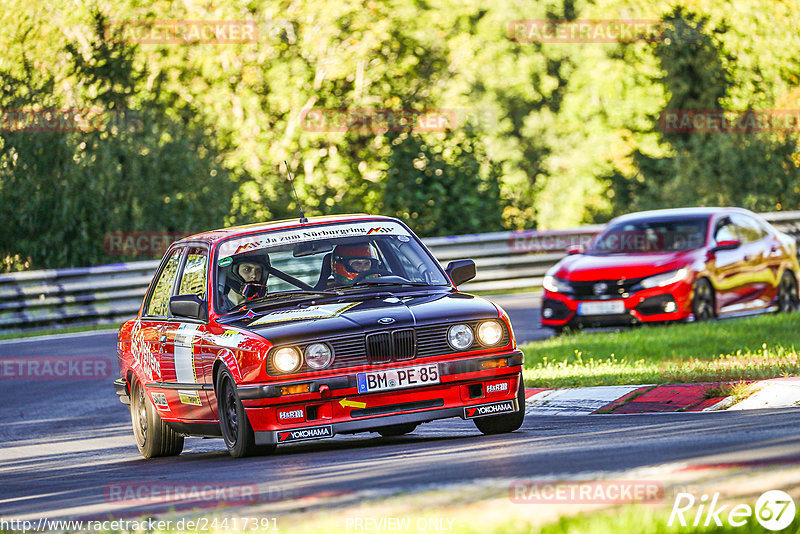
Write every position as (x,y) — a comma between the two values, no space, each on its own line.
(774,510)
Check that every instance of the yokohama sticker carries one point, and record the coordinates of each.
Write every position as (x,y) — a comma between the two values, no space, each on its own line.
(303,434)
(489,409)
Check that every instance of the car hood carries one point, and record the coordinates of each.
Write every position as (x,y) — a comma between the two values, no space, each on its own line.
(587,267)
(359,315)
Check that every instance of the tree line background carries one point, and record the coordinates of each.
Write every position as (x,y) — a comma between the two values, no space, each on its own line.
(547,135)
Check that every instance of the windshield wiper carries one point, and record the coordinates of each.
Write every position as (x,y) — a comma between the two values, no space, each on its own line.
(285,294)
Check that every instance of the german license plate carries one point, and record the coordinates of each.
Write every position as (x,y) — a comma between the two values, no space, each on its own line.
(604,307)
(404,377)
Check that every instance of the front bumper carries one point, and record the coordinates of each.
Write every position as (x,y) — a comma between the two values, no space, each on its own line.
(334,406)
(658,304)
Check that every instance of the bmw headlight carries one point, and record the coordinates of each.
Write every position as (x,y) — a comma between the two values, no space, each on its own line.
(490,332)
(665,279)
(318,355)
(556,285)
(287,359)
(460,336)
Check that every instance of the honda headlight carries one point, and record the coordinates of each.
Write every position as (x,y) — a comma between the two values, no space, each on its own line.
(556,285)
(665,279)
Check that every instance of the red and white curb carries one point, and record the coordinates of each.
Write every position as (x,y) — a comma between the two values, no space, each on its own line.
(774,393)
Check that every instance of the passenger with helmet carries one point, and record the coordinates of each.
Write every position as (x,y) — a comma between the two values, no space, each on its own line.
(349,261)
(245,269)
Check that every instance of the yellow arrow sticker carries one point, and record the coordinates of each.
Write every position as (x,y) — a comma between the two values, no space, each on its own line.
(352,404)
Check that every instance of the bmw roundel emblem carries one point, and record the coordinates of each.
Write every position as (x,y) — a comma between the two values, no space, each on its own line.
(385,320)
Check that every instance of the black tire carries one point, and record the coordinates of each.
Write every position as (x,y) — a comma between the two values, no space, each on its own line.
(703,301)
(153,437)
(502,424)
(396,430)
(234,424)
(788,299)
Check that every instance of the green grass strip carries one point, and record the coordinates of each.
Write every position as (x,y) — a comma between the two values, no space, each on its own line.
(752,348)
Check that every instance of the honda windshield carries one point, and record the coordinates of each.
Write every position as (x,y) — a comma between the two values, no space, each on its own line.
(651,235)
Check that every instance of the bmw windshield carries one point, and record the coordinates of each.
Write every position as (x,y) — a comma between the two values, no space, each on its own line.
(644,236)
(321,260)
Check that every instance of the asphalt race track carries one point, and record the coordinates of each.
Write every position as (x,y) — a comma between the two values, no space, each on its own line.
(64,444)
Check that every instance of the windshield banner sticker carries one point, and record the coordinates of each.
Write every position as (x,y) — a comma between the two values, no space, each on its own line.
(312,312)
(300,235)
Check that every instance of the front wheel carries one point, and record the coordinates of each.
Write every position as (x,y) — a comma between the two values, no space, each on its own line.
(703,302)
(153,437)
(788,298)
(236,430)
(502,424)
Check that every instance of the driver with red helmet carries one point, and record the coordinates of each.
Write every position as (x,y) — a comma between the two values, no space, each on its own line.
(349,261)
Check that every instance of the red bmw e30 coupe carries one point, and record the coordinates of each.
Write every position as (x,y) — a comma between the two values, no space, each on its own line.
(302,330)
(673,265)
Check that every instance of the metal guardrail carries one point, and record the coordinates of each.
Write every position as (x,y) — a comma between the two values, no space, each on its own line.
(61,298)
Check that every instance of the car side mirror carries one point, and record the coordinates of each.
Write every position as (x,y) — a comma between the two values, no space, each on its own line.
(190,306)
(575,249)
(726,245)
(461,271)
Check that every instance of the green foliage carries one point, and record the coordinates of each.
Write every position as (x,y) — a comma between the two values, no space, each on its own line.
(443,187)
(754,169)
(548,134)
(123,170)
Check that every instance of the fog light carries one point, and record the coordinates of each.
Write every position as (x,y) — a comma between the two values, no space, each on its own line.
(295,389)
(670,307)
(547,313)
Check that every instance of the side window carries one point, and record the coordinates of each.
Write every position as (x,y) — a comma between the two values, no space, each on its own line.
(749,229)
(159,300)
(193,279)
(726,231)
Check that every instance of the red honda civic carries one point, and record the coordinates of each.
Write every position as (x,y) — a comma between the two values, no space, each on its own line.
(673,265)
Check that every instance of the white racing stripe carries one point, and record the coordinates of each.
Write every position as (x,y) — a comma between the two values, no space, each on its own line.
(184,363)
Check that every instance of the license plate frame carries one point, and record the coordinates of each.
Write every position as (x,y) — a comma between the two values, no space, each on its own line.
(398,378)
(601,307)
